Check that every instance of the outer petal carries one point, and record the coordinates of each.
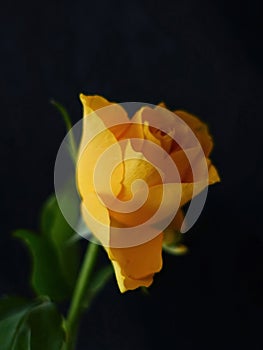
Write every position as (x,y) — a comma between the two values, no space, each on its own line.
(212,172)
(199,128)
(135,266)
(114,114)
(96,139)
(91,149)
(92,103)
(183,165)
(197,166)
(96,217)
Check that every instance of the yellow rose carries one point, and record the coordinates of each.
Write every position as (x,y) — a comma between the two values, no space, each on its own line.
(116,153)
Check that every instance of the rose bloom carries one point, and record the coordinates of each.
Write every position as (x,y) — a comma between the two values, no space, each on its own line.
(134,265)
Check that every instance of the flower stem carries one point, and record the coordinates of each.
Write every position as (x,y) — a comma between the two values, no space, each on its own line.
(76,307)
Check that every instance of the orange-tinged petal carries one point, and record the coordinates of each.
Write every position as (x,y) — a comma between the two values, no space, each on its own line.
(213,174)
(183,165)
(191,162)
(149,135)
(134,130)
(199,128)
(162,104)
(152,121)
(135,266)
(156,136)
(177,221)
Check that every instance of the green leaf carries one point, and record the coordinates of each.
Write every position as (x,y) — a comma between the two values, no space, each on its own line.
(23,338)
(55,254)
(55,257)
(56,229)
(6,303)
(46,276)
(72,143)
(97,283)
(32,325)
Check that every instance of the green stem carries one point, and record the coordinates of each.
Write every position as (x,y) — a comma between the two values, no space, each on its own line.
(80,292)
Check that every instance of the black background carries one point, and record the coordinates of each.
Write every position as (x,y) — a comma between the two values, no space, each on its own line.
(203,56)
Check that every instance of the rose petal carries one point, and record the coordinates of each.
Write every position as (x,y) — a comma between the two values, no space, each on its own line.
(96,139)
(199,128)
(177,221)
(135,266)
(136,166)
(162,104)
(96,217)
(213,174)
(153,120)
(92,103)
